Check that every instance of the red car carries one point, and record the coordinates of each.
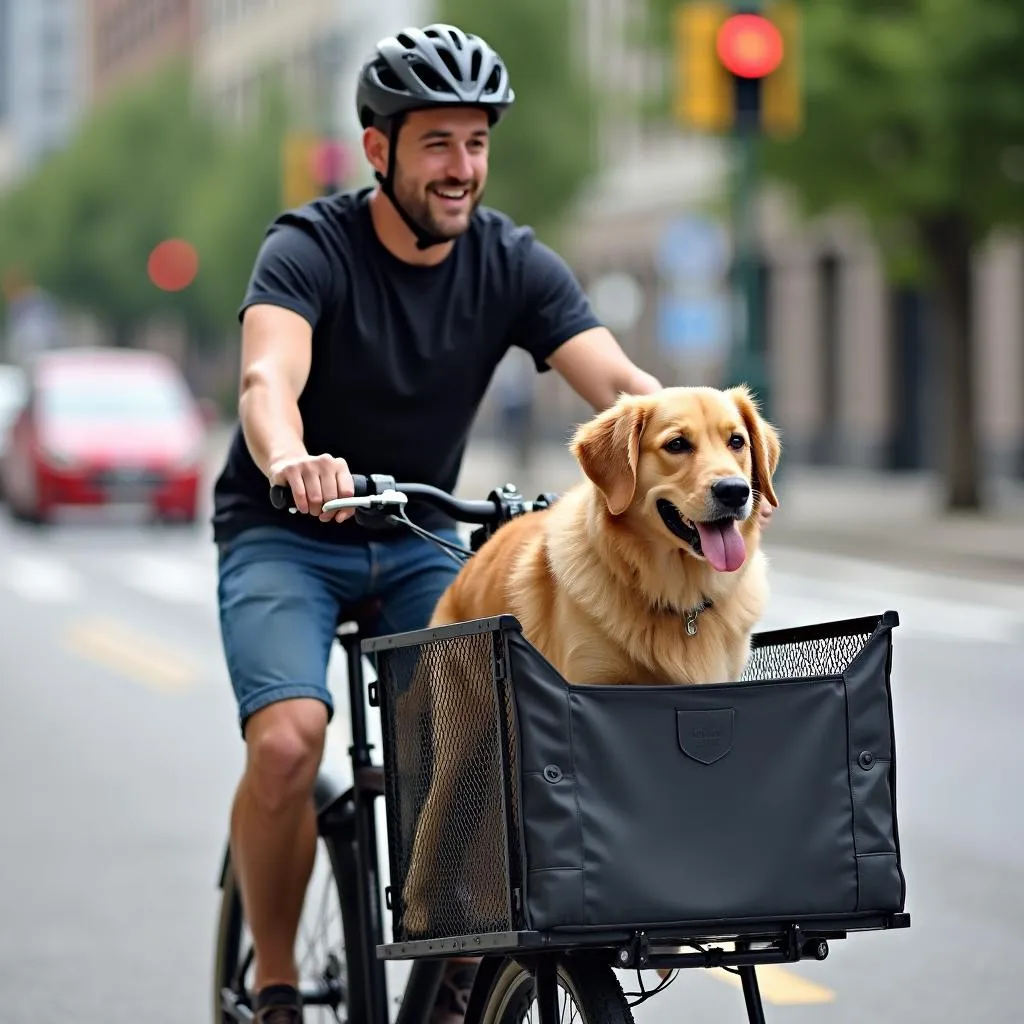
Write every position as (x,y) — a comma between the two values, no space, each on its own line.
(105,427)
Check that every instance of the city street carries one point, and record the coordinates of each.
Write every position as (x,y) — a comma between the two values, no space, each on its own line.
(119,753)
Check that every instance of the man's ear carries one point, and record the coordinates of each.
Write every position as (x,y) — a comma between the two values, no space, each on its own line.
(765,446)
(608,451)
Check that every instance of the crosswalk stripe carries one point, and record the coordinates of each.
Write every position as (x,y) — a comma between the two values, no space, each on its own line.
(39,578)
(171,579)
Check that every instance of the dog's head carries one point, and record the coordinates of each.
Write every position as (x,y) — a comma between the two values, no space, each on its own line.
(691,462)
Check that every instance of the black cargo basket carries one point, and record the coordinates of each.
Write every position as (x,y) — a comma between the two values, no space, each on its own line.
(524,811)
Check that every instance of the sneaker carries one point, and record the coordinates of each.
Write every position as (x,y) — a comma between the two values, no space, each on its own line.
(277,1004)
(453,995)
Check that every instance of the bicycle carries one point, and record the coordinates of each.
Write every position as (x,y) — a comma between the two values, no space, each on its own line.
(520,961)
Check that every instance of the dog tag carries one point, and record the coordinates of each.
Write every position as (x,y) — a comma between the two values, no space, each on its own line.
(691,623)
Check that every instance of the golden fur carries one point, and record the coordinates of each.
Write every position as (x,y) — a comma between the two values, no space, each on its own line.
(601,585)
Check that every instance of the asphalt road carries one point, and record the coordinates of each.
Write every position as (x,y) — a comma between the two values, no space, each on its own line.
(119,753)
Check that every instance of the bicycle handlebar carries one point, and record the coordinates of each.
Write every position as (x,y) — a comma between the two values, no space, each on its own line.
(383,493)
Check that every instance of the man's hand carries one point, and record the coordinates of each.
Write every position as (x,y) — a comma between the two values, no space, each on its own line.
(314,480)
(764,513)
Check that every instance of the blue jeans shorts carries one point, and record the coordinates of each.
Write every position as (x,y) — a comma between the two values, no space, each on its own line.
(280,596)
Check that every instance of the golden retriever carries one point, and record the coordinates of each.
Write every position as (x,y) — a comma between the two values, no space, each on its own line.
(647,571)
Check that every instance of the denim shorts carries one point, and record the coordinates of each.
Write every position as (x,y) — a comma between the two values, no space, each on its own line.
(281,594)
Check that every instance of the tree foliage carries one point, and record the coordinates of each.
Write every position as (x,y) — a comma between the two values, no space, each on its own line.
(543,150)
(150,164)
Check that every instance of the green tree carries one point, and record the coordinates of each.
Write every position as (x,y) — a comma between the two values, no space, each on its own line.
(84,225)
(915,116)
(544,149)
(150,164)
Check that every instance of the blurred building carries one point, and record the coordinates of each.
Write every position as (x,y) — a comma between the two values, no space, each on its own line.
(314,47)
(131,37)
(41,80)
(852,359)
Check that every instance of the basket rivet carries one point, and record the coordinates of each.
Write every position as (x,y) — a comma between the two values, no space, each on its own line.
(552,773)
(866,759)
(623,956)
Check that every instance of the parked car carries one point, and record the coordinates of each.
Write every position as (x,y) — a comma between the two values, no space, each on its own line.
(13,389)
(106,427)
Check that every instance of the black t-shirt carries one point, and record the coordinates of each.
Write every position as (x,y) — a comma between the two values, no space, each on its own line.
(402,354)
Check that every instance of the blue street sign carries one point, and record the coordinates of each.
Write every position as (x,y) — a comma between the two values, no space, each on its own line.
(694,326)
(693,249)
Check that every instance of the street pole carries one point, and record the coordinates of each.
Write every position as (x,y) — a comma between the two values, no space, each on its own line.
(747,361)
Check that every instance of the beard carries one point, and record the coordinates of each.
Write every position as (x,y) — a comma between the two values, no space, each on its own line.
(428,210)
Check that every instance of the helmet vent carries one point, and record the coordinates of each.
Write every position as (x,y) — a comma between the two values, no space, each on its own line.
(493,81)
(406,41)
(477,60)
(450,64)
(429,77)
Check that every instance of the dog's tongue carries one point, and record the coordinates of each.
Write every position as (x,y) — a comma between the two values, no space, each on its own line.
(722,544)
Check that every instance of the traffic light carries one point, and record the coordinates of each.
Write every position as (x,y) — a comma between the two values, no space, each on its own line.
(738,66)
(298,180)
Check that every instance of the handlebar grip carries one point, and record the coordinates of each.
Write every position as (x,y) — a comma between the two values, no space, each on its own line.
(281,494)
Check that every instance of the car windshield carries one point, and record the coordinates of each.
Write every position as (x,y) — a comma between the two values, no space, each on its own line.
(114,397)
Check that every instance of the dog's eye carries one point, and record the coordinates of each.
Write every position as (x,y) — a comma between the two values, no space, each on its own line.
(737,441)
(677,445)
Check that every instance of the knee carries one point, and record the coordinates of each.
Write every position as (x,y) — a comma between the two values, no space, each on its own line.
(285,744)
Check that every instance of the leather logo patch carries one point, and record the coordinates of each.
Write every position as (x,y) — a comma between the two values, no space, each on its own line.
(706,736)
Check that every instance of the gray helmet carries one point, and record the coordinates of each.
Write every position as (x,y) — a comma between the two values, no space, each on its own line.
(439,65)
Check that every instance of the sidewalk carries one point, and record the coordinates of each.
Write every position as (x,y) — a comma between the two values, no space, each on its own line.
(879,517)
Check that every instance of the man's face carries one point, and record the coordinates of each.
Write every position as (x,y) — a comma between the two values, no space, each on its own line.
(441,168)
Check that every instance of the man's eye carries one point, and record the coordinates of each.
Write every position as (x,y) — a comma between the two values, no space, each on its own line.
(678,445)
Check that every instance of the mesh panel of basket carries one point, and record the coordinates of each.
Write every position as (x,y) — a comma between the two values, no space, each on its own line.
(446,787)
(824,656)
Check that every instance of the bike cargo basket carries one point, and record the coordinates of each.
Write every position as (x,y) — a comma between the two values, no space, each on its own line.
(516,802)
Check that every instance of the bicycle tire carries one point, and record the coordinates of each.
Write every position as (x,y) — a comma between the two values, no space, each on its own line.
(231,922)
(590,982)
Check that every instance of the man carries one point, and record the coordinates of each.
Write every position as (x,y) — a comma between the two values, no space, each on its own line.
(371,327)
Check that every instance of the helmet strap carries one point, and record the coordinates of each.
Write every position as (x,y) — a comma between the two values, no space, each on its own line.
(424,239)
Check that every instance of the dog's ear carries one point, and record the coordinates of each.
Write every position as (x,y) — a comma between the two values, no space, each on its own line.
(765,446)
(608,450)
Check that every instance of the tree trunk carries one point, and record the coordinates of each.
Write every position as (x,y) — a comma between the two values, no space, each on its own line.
(947,239)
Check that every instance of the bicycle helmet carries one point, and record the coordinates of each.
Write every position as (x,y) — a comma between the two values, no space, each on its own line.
(417,69)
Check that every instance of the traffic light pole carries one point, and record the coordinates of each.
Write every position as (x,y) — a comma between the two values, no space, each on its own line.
(746,354)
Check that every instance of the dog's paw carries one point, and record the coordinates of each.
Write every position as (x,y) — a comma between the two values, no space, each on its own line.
(415,917)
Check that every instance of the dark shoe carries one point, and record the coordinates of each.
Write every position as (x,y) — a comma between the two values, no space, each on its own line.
(453,995)
(277,1004)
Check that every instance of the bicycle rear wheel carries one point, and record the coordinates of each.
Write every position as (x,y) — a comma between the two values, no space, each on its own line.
(327,947)
(587,993)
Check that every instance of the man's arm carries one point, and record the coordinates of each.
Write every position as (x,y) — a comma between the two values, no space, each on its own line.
(594,365)
(277,352)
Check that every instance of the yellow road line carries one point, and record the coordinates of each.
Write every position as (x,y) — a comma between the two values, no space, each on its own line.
(130,654)
(781,987)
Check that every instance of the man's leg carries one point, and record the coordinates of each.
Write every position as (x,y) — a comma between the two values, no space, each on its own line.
(411,575)
(278,615)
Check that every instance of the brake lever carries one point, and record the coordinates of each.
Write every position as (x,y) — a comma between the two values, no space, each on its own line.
(388,497)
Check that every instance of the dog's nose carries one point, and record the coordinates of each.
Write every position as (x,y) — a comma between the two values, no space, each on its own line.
(732,491)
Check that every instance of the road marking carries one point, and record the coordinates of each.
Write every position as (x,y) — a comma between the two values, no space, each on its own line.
(780,987)
(180,581)
(40,579)
(130,654)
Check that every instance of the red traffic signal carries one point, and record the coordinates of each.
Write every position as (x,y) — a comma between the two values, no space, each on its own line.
(749,45)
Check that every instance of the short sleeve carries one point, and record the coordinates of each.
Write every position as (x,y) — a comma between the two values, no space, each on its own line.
(291,270)
(555,306)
